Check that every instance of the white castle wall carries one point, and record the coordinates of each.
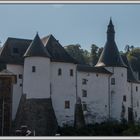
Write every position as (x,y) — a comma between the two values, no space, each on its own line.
(63,89)
(97,99)
(136,100)
(17,87)
(37,84)
(117,91)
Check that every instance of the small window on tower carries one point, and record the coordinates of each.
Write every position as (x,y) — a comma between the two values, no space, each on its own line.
(20,76)
(124,98)
(71,72)
(136,88)
(59,71)
(33,69)
(67,104)
(112,81)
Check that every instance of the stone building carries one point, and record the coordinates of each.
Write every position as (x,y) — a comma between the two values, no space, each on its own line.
(51,88)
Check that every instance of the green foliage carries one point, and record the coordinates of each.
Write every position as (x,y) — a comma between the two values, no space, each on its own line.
(84,56)
(134,58)
(103,129)
(79,54)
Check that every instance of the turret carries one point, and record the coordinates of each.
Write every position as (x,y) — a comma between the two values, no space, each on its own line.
(110,56)
(111,60)
(36,83)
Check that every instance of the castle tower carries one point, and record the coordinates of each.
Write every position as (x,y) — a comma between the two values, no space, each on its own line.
(36,70)
(110,59)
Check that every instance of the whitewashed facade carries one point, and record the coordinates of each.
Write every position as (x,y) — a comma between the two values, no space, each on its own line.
(63,89)
(50,73)
(94,94)
(17,87)
(36,82)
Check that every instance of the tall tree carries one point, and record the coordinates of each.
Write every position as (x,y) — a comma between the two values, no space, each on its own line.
(134,58)
(76,52)
(94,54)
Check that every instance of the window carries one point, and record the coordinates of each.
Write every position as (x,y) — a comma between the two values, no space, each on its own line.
(59,71)
(67,104)
(84,93)
(71,72)
(15,50)
(20,76)
(84,107)
(136,88)
(33,68)
(15,79)
(135,114)
(20,85)
(112,81)
(124,98)
(84,81)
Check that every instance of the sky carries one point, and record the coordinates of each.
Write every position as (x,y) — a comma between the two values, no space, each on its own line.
(83,24)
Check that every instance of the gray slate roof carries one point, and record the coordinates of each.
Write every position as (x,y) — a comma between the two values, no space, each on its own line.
(36,48)
(130,74)
(55,49)
(110,56)
(7,55)
(87,68)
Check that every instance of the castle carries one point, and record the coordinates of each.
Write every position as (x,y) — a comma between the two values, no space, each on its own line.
(50,84)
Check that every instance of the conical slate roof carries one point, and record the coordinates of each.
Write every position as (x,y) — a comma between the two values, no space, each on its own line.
(55,49)
(110,56)
(130,73)
(36,48)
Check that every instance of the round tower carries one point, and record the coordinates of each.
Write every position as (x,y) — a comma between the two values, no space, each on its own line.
(110,59)
(36,80)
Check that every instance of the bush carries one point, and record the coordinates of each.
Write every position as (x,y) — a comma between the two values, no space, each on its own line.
(103,129)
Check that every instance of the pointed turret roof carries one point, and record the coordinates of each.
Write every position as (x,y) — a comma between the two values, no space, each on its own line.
(36,48)
(110,56)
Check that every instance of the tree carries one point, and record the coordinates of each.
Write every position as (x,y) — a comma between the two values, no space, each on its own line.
(134,58)
(95,54)
(128,48)
(77,53)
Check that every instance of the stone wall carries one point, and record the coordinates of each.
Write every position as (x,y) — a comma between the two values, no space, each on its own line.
(38,115)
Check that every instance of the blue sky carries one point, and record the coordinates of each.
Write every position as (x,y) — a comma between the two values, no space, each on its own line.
(84,24)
